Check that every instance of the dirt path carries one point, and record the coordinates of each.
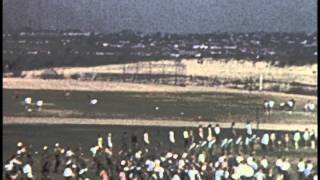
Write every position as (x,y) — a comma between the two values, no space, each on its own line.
(75,85)
(142,122)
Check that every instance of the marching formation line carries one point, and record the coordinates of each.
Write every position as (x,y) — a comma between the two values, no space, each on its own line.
(163,123)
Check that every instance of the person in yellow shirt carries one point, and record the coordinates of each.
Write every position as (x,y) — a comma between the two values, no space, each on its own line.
(100,141)
(186,137)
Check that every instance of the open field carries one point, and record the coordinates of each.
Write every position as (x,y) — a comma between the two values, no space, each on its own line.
(125,107)
(232,69)
(188,106)
(97,86)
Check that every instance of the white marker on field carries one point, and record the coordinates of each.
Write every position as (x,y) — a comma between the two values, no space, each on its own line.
(93,101)
(157,108)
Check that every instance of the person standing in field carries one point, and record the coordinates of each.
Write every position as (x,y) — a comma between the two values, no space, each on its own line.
(109,141)
(209,129)
(233,131)
(172,140)
(200,132)
(134,140)
(68,173)
(146,138)
(286,141)
(272,140)
(264,164)
(186,138)
(57,156)
(301,167)
(265,142)
(100,141)
(313,139)
(217,132)
(296,139)
(45,163)
(191,136)
(306,138)
(248,129)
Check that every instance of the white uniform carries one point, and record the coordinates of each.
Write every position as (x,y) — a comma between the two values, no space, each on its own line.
(201,133)
(265,139)
(285,166)
(306,138)
(217,130)
(264,163)
(301,166)
(171,137)
(249,129)
(68,172)
(109,141)
(27,170)
(296,138)
(146,138)
(260,176)
(279,163)
(209,137)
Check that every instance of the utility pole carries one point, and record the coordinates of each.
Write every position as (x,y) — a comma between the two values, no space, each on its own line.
(261,82)
(176,72)
(124,72)
(257,117)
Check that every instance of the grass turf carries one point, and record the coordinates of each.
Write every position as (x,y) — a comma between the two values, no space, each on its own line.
(211,106)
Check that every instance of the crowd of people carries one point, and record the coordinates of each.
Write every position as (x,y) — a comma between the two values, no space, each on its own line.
(207,153)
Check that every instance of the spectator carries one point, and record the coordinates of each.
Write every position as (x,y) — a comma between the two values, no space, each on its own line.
(306,138)
(296,139)
(68,172)
(186,138)
(265,141)
(217,132)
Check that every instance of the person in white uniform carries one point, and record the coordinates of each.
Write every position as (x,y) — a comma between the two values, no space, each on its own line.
(296,139)
(186,137)
(171,138)
(265,142)
(306,138)
(301,167)
(146,138)
(217,132)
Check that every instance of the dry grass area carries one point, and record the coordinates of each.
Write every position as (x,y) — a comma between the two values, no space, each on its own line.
(232,69)
(75,85)
(143,122)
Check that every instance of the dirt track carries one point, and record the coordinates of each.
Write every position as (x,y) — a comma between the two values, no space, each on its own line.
(74,85)
(142,122)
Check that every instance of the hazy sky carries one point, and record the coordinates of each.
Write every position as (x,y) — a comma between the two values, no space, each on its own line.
(174,16)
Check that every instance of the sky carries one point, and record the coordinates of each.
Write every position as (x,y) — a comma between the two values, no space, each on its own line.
(167,16)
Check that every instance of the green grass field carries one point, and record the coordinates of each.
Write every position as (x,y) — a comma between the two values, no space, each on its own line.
(211,106)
